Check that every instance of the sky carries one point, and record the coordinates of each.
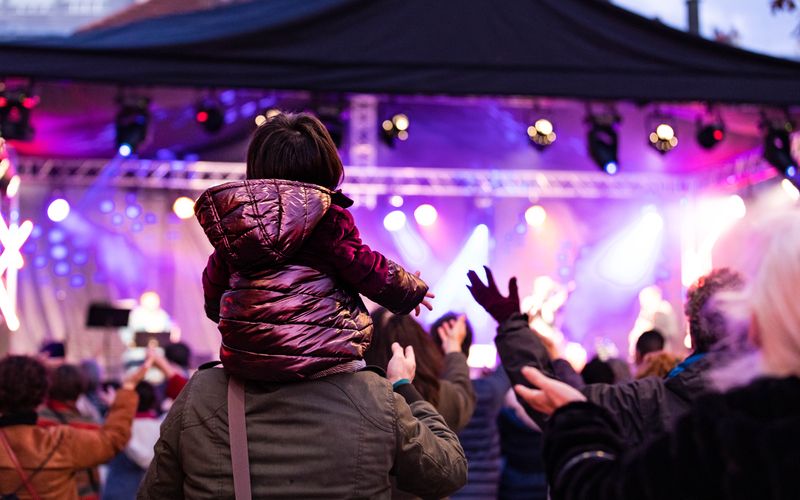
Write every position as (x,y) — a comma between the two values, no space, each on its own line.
(759,29)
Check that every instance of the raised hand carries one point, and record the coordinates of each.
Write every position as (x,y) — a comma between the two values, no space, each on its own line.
(489,297)
(403,365)
(453,333)
(428,295)
(551,394)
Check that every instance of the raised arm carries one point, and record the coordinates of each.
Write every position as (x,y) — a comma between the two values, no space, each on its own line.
(369,272)
(457,397)
(429,461)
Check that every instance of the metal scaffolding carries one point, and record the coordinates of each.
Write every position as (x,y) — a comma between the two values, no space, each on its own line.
(366,182)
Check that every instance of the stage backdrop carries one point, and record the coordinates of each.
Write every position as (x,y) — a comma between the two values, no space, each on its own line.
(116,244)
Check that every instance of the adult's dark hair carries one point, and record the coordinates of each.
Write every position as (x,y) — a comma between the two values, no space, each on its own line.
(294,147)
(597,372)
(438,340)
(67,383)
(147,396)
(91,375)
(707,325)
(649,341)
(390,328)
(178,353)
(23,384)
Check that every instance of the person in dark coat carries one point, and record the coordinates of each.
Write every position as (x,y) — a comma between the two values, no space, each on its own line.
(288,264)
(645,407)
(739,445)
(481,437)
(340,436)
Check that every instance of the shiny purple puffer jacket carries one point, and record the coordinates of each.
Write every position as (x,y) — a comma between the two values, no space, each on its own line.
(285,277)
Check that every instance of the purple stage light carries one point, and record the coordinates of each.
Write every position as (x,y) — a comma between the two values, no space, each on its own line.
(106,206)
(130,198)
(151,218)
(133,211)
(77,281)
(29,248)
(80,258)
(116,219)
(55,236)
(61,269)
(99,278)
(37,232)
(137,227)
(40,261)
(59,252)
(520,228)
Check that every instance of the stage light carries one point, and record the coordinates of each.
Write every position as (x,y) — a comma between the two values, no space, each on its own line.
(394,221)
(396,201)
(272,112)
(790,189)
(535,216)
(397,127)
(425,215)
(58,210)
(131,126)
(210,117)
(15,113)
(602,143)
(400,122)
(778,149)
(183,207)
(663,139)
(710,135)
(13,187)
(260,119)
(541,134)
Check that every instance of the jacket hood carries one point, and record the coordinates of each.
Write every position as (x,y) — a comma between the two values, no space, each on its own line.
(260,222)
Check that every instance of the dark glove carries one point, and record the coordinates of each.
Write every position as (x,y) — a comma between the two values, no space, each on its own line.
(501,308)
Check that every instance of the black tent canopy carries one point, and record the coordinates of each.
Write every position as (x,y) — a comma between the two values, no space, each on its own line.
(570,48)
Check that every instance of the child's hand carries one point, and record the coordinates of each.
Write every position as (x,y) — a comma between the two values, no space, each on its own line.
(425,302)
(402,365)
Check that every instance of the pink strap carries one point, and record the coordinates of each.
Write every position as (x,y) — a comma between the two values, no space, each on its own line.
(238,434)
(21,472)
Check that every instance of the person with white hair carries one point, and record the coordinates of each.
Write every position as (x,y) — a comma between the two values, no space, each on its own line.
(736,445)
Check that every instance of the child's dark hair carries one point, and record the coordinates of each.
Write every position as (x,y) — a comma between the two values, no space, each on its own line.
(294,147)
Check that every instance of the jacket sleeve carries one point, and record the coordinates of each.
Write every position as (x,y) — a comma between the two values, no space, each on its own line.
(164,478)
(640,406)
(216,278)
(567,374)
(90,448)
(587,457)
(429,461)
(457,397)
(518,347)
(370,273)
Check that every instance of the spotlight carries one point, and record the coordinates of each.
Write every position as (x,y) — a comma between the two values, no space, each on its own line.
(603,144)
(183,207)
(396,201)
(15,114)
(778,149)
(790,189)
(210,117)
(535,216)
(425,215)
(58,210)
(541,134)
(260,119)
(710,135)
(396,127)
(663,139)
(394,221)
(131,125)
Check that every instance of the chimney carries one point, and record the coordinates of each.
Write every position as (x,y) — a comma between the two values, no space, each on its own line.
(694,16)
